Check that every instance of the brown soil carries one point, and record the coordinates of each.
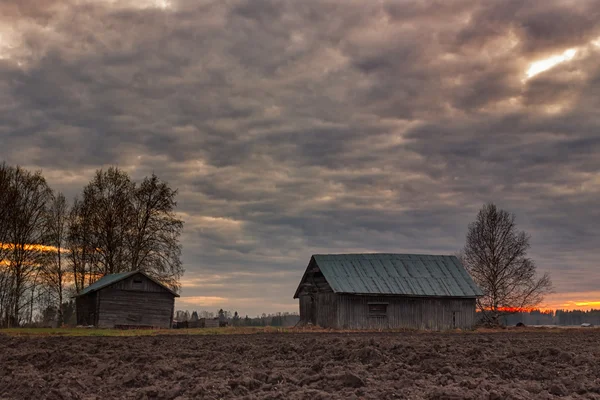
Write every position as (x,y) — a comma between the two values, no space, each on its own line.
(507,365)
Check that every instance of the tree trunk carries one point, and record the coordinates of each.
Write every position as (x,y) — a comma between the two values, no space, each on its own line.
(60,319)
(14,319)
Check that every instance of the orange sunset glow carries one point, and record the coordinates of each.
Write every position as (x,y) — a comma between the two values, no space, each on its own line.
(67,275)
(33,247)
(516,309)
(572,301)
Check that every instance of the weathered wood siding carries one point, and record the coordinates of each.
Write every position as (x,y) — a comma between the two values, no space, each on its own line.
(340,311)
(327,309)
(139,283)
(313,281)
(406,312)
(319,309)
(306,312)
(128,307)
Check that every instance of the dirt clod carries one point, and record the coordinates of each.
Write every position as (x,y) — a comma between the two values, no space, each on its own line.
(558,390)
(351,380)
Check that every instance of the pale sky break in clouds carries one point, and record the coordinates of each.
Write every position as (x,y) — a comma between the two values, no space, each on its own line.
(299,127)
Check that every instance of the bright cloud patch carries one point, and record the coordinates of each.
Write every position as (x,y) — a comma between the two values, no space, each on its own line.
(543,65)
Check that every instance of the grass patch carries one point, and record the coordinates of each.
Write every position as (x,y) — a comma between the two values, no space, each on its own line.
(248,330)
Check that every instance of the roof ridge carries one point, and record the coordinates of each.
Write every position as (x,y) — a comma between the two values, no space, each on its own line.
(388,254)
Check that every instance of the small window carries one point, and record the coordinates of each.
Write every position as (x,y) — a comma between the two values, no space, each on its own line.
(378,310)
(137,282)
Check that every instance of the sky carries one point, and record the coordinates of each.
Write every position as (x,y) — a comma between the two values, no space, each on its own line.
(293,128)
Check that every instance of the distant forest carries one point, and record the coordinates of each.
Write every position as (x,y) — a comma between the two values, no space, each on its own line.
(233,318)
(558,317)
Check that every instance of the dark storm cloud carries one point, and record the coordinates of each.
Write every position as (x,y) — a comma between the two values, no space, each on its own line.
(292,128)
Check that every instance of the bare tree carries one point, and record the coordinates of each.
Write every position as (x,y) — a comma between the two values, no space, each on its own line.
(54,269)
(154,237)
(107,199)
(7,199)
(25,224)
(119,226)
(495,255)
(79,244)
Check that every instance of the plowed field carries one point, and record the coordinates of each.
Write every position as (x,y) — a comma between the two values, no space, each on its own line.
(506,365)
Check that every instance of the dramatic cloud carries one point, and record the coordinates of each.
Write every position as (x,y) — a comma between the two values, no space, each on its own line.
(301,127)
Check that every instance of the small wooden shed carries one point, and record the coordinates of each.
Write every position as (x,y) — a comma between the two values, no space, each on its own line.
(128,299)
(386,291)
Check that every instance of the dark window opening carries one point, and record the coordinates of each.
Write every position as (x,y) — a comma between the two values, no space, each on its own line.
(378,310)
(318,274)
(138,281)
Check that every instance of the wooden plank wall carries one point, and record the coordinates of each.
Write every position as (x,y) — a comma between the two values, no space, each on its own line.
(327,309)
(128,307)
(313,280)
(305,310)
(406,312)
(323,313)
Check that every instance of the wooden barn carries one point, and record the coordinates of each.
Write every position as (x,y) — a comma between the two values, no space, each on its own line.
(128,299)
(384,291)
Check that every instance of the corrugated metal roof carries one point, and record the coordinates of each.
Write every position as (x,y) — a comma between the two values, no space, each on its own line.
(400,274)
(108,280)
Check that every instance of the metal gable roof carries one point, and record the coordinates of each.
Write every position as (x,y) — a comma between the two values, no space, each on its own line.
(108,280)
(397,274)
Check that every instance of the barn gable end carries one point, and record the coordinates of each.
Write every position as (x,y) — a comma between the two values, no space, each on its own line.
(140,283)
(313,280)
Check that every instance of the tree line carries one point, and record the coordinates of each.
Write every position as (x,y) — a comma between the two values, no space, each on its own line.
(50,249)
(234,319)
(552,317)
(577,317)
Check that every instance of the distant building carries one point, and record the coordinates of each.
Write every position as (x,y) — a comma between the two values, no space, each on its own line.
(129,299)
(385,291)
